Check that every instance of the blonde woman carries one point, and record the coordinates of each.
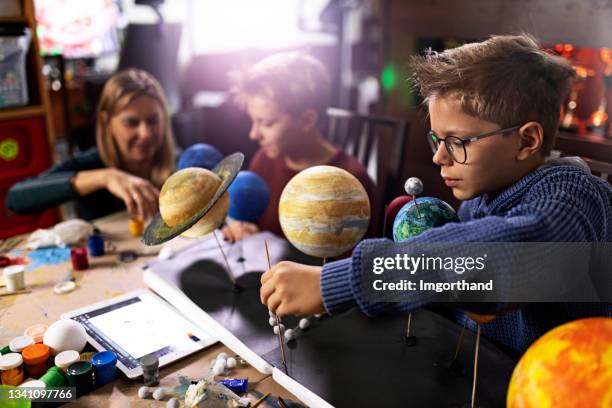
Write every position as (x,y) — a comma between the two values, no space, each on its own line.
(133,157)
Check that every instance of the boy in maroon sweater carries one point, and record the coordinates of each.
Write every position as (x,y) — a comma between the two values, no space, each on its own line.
(286,96)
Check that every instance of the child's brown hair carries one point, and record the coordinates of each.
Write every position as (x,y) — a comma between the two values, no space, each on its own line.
(507,79)
(294,80)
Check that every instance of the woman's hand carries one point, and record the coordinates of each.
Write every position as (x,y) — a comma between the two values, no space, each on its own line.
(237,230)
(141,198)
(290,288)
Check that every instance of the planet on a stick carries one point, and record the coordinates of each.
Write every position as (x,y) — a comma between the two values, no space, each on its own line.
(185,193)
(570,366)
(249,197)
(324,211)
(431,212)
(199,155)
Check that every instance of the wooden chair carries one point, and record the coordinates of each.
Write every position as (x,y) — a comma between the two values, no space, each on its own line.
(379,144)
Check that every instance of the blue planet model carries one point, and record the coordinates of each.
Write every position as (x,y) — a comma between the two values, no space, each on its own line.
(249,197)
(199,155)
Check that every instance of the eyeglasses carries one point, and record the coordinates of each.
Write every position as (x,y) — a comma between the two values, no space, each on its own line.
(455,146)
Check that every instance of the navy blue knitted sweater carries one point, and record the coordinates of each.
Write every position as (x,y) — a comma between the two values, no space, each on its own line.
(558,203)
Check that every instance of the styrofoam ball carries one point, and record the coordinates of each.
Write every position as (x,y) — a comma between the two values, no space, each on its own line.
(272,321)
(173,403)
(165,253)
(304,323)
(413,186)
(145,392)
(282,326)
(289,334)
(222,355)
(271,313)
(219,367)
(231,362)
(65,334)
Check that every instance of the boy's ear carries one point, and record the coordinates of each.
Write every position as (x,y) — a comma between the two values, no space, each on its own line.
(309,120)
(531,138)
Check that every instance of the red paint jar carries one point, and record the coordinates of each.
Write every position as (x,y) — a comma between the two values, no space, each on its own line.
(78,256)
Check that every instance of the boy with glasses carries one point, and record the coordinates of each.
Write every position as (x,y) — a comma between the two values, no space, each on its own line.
(494,111)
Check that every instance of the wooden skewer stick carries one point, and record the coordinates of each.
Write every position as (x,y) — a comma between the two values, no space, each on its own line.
(459,343)
(278,320)
(227,266)
(259,401)
(416,205)
(475,365)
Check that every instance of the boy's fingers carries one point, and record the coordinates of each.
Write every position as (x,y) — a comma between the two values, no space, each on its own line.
(265,292)
(267,275)
(273,303)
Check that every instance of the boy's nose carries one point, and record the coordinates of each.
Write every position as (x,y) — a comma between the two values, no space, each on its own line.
(254,133)
(441,156)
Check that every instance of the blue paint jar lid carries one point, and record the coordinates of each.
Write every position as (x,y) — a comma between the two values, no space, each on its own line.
(104,359)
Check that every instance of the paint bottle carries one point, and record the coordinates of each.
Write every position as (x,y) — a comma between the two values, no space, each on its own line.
(104,364)
(78,257)
(11,369)
(36,332)
(65,359)
(150,369)
(136,227)
(95,243)
(14,278)
(5,350)
(35,359)
(19,343)
(81,376)
(54,377)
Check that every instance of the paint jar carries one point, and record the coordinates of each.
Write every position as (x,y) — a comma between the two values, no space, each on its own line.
(104,364)
(5,350)
(64,359)
(11,369)
(19,343)
(36,332)
(54,377)
(136,227)
(81,376)
(150,369)
(14,278)
(78,257)
(35,359)
(95,243)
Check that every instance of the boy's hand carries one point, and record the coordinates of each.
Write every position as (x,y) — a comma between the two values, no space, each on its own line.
(237,230)
(290,288)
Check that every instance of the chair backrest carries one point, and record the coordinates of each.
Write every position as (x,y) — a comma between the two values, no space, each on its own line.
(601,169)
(379,144)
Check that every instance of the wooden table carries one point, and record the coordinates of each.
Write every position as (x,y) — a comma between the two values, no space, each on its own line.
(107,278)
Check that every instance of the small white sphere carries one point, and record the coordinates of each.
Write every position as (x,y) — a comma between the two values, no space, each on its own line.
(65,334)
(304,323)
(272,321)
(318,316)
(282,326)
(231,362)
(271,314)
(222,355)
(413,186)
(145,392)
(161,393)
(219,367)
(173,403)
(289,334)
(165,253)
